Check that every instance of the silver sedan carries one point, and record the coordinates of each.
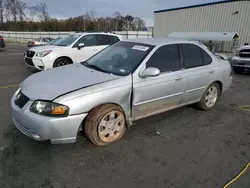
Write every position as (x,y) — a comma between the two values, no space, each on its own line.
(125,82)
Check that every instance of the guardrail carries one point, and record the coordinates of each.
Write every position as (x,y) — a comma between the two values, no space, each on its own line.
(23,37)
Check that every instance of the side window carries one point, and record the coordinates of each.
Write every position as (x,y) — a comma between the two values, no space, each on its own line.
(192,55)
(206,58)
(106,39)
(88,40)
(165,58)
(102,40)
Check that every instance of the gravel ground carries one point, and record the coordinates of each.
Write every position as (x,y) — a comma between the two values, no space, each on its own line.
(180,149)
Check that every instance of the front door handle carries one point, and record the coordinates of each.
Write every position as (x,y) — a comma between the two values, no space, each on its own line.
(211,72)
(178,78)
(95,50)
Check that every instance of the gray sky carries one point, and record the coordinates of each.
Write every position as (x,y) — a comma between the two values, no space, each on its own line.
(141,8)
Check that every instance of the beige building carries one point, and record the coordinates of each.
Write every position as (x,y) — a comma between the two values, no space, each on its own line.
(222,16)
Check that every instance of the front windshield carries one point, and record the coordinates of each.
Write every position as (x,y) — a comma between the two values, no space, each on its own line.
(67,40)
(120,59)
(53,41)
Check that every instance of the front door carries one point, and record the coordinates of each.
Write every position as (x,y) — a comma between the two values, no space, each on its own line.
(199,71)
(152,95)
(90,48)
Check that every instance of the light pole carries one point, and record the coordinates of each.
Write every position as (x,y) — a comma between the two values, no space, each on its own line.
(154,7)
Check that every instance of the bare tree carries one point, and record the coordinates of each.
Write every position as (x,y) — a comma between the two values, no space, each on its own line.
(12,7)
(21,7)
(43,12)
(138,23)
(129,21)
(1,13)
(92,14)
(117,16)
(32,12)
(7,11)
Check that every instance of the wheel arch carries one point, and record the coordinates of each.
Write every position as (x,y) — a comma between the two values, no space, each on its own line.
(128,122)
(220,85)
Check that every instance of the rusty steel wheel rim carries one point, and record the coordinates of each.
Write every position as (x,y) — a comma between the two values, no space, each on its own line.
(111,126)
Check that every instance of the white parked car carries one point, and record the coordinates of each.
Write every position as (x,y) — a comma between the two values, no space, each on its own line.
(74,48)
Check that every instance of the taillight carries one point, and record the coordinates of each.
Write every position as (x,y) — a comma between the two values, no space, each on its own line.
(33,43)
(1,38)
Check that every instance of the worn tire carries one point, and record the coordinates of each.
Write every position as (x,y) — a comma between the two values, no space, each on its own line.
(61,62)
(238,70)
(202,104)
(93,120)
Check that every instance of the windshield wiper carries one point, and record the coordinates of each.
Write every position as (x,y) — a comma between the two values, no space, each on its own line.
(85,63)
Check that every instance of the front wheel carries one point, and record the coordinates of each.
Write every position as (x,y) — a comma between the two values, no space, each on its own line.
(105,124)
(210,97)
(61,62)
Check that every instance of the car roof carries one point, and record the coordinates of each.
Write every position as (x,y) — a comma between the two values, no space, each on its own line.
(96,33)
(159,41)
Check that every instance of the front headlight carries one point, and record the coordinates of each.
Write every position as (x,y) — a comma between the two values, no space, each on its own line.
(47,108)
(43,54)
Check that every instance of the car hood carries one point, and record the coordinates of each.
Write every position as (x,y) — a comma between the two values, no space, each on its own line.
(49,84)
(44,48)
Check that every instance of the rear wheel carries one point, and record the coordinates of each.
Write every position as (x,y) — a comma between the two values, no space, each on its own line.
(61,62)
(210,97)
(105,124)
(238,70)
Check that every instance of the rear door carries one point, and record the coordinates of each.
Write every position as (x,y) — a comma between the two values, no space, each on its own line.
(199,71)
(154,94)
(103,41)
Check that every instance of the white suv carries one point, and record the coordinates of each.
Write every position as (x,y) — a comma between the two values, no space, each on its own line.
(74,48)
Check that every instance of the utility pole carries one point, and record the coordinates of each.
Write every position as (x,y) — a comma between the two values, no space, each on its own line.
(154,5)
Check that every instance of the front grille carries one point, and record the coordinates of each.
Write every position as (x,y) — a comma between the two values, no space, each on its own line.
(29,61)
(21,100)
(245,53)
(30,53)
(247,63)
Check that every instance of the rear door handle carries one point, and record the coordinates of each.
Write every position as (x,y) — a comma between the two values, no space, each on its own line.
(95,50)
(178,78)
(211,72)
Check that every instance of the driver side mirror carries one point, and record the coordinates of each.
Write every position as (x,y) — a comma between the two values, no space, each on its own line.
(150,72)
(80,45)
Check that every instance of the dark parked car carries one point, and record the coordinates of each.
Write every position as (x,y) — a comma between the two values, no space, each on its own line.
(2,44)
